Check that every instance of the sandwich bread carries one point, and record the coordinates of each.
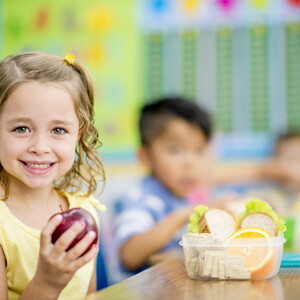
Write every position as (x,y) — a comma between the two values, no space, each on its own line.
(218,222)
(261,220)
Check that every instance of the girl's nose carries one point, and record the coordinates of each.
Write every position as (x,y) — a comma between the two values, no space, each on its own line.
(40,145)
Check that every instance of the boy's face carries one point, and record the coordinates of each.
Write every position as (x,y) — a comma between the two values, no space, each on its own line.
(288,156)
(178,157)
(289,151)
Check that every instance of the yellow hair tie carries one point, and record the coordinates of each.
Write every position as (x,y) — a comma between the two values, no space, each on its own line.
(70,58)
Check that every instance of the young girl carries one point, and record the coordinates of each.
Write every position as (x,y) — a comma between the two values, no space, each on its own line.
(48,162)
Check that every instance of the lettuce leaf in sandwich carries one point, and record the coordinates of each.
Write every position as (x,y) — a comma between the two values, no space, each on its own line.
(259,206)
(194,219)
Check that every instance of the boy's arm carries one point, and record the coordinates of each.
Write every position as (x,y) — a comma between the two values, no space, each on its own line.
(282,171)
(235,172)
(3,282)
(247,171)
(136,251)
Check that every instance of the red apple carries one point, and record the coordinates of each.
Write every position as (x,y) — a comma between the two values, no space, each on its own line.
(69,218)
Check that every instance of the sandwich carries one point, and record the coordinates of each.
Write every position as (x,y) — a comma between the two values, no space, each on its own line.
(207,254)
(218,222)
(259,214)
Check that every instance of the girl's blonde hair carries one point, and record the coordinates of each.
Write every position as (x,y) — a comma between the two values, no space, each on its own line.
(46,68)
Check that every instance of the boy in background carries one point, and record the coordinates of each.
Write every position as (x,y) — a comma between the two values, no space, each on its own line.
(284,165)
(175,135)
(286,158)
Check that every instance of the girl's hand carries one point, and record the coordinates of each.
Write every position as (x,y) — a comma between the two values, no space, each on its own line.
(56,267)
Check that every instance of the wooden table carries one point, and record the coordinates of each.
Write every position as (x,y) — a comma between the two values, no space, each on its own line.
(168,280)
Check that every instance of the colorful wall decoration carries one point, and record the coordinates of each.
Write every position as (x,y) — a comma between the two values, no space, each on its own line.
(238,58)
(103,35)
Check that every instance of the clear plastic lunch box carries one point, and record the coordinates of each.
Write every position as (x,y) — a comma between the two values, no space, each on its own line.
(207,258)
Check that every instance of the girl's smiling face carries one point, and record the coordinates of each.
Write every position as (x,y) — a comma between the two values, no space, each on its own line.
(39,130)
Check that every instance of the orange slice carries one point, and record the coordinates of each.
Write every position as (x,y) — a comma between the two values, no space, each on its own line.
(250,232)
(253,244)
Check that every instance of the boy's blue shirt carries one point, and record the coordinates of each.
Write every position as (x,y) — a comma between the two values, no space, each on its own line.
(142,207)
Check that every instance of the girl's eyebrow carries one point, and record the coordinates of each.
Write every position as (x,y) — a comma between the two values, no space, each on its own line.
(18,120)
(63,122)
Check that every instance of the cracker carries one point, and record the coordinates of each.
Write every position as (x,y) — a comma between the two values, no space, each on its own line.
(208,261)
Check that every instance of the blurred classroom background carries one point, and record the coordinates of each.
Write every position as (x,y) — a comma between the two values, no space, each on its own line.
(240,59)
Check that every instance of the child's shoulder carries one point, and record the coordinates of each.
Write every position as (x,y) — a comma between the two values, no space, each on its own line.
(141,188)
(81,200)
(4,211)
(147,193)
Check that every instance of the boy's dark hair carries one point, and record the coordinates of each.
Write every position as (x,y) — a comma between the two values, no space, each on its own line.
(285,137)
(156,115)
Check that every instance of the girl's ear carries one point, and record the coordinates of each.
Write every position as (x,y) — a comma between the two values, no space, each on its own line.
(144,156)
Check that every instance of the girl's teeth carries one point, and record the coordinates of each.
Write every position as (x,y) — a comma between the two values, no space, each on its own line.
(38,166)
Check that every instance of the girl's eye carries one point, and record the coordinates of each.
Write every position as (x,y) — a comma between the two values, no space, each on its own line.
(59,131)
(22,129)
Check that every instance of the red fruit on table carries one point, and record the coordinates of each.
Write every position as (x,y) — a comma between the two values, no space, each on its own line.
(69,218)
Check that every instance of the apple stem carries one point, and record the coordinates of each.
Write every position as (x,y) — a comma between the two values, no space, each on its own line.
(61,208)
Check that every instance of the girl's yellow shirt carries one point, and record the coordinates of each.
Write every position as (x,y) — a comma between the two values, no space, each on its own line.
(21,244)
